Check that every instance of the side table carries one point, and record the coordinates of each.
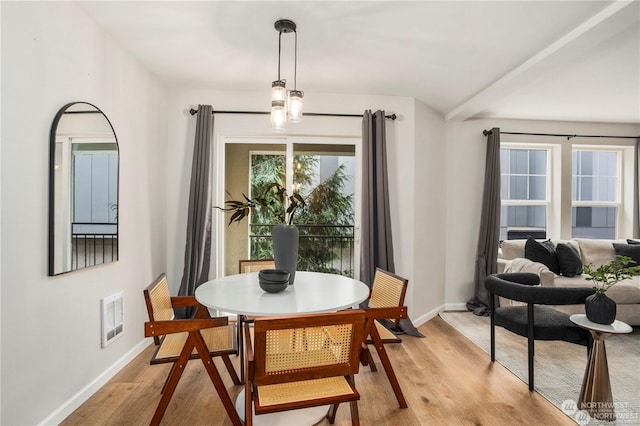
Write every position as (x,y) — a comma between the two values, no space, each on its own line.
(595,395)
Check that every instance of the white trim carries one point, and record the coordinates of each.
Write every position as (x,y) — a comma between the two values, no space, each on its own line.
(428,316)
(455,307)
(85,393)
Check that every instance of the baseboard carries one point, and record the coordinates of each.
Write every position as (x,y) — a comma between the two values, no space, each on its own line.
(84,394)
(434,312)
(426,317)
(455,307)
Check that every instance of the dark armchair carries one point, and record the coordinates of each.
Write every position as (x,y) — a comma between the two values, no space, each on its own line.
(535,321)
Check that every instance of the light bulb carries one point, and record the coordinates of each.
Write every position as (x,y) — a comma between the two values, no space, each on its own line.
(278,115)
(294,105)
(278,90)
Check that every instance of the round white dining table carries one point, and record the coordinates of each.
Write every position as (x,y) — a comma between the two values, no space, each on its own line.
(311,292)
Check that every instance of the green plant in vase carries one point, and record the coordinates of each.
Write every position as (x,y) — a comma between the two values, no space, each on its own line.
(599,307)
(274,195)
(285,237)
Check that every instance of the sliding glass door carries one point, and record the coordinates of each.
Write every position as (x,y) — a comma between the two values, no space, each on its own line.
(321,171)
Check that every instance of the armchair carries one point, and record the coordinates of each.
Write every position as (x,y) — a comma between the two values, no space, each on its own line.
(303,361)
(179,340)
(535,321)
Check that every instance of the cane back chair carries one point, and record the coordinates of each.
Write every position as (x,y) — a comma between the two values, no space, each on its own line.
(179,340)
(386,304)
(303,361)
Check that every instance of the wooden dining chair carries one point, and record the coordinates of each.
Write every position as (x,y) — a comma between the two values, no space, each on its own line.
(246,266)
(255,265)
(179,340)
(386,304)
(303,361)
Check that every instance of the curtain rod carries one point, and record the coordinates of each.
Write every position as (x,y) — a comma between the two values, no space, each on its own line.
(315,114)
(488,132)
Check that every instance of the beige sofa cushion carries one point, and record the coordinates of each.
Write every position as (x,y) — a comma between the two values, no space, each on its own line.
(596,252)
(525,265)
(624,292)
(512,249)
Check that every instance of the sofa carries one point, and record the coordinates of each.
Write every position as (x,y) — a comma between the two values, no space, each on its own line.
(626,293)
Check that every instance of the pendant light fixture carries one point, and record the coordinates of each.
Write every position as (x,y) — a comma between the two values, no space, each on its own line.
(285,104)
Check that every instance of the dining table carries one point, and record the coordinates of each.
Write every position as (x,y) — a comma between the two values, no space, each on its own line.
(312,292)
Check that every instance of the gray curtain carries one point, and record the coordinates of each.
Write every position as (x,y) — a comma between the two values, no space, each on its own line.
(376,243)
(489,236)
(197,252)
(636,209)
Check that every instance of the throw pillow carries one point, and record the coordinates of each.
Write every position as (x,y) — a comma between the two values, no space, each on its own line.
(629,250)
(542,252)
(525,265)
(568,260)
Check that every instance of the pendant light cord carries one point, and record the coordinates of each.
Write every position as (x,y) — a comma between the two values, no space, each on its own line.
(279,51)
(295,63)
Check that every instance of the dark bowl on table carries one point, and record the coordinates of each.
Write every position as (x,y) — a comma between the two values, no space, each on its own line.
(273,280)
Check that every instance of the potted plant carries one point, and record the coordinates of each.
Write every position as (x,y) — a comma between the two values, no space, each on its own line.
(599,307)
(285,237)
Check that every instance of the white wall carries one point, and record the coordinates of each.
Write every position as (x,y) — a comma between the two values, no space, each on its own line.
(51,355)
(429,213)
(466,147)
(403,159)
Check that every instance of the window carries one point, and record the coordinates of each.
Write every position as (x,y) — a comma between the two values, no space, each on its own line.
(564,190)
(524,192)
(323,170)
(595,193)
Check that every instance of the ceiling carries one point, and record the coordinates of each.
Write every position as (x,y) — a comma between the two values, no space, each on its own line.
(558,60)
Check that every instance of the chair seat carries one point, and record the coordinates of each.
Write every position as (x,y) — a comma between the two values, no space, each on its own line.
(270,396)
(218,339)
(549,324)
(386,335)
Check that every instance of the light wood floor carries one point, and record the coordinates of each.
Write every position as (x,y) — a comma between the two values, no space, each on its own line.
(446,379)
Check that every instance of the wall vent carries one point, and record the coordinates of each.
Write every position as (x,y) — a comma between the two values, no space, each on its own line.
(112,317)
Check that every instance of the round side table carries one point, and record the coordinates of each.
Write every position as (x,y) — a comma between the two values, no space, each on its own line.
(595,395)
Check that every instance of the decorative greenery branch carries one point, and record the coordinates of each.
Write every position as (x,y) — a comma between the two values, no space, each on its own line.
(275,193)
(611,273)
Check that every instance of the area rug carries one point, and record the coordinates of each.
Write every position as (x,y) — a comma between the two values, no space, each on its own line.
(559,366)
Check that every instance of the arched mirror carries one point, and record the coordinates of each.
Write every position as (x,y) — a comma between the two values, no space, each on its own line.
(83,189)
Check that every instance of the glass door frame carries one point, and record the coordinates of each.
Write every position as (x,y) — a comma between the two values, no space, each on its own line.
(219,219)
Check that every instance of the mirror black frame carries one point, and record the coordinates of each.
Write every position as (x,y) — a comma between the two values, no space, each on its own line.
(52,186)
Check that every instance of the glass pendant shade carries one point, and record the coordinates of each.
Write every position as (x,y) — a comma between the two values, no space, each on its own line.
(278,115)
(294,105)
(278,91)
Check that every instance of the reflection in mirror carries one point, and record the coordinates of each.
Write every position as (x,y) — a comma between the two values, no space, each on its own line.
(83,189)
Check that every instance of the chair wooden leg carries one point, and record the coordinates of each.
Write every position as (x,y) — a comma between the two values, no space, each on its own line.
(240,325)
(173,366)
(172,382)
(372,364)
(331,415)
(355,418)
(365,357)
(353,405)
(386,363)
(203,351)
(231,370)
